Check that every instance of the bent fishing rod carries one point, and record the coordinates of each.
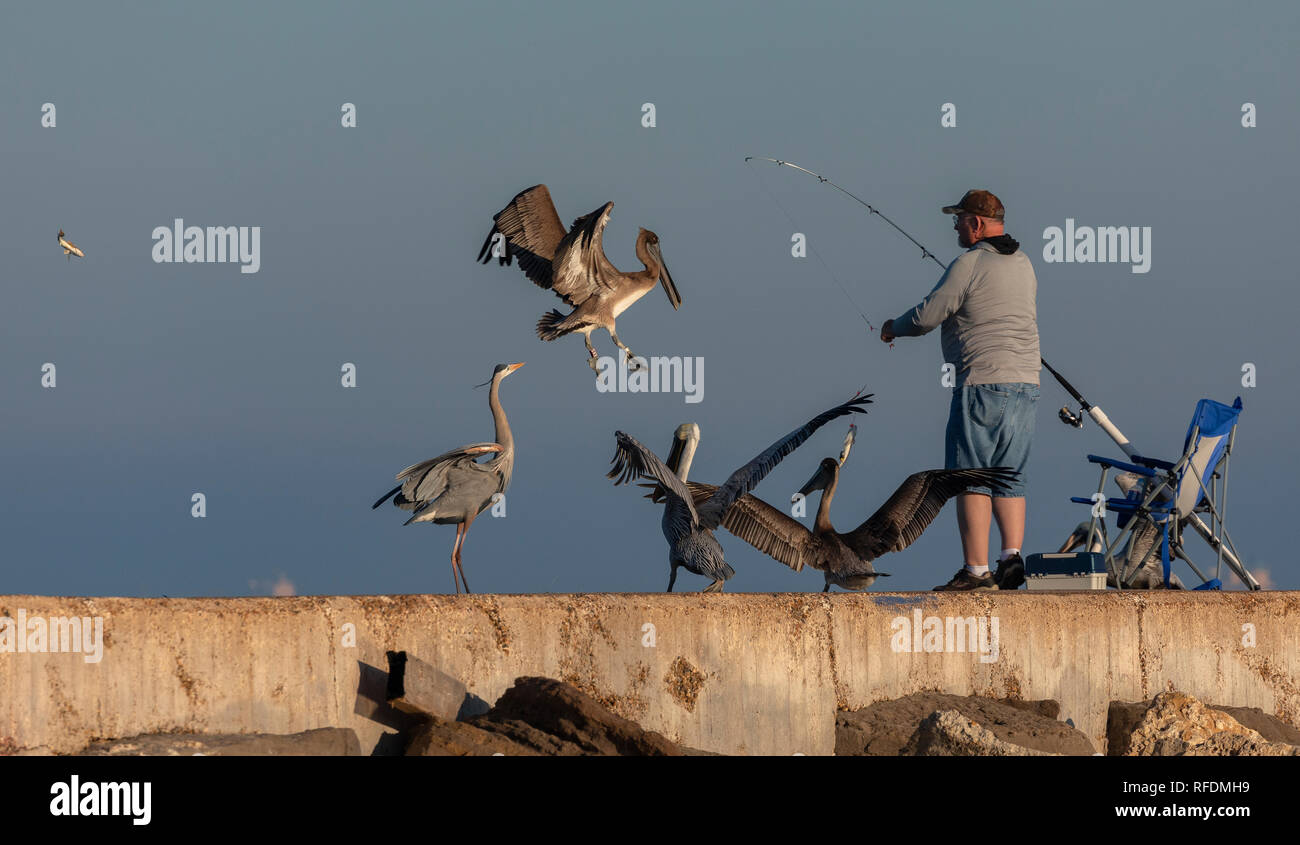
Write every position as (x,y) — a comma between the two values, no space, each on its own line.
(1097,414)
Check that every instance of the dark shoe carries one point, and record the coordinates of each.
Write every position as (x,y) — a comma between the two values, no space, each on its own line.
(964,580)
(1010,573)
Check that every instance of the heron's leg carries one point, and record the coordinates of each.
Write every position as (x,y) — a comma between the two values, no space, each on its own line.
(455,555)
(464,534)
(672,579)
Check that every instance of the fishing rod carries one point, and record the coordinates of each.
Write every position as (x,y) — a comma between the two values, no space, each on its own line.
(1097,414)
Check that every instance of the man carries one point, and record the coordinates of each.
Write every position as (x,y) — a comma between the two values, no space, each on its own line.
(986,305)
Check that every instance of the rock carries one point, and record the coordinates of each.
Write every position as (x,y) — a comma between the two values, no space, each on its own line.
(1177,724)
(947,733)
(414,686)
(550,716)
(437,738)
(1123,717)
(884,728)
(322,742)
(1269,727)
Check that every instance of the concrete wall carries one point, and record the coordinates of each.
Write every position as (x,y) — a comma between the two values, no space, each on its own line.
(751,674)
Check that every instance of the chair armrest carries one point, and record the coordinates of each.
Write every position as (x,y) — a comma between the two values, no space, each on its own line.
(1127,467)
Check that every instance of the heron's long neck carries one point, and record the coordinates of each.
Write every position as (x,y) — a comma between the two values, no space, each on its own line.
(822,524)
(503,435)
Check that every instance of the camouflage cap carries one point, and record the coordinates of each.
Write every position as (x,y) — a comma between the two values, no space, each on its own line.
(976,201)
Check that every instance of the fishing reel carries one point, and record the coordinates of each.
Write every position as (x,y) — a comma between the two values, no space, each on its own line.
(1069,418)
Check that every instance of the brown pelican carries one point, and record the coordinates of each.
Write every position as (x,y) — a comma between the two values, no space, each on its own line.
(845,559)
(69,248)
(574,266)
(454,487)
(1139,560)
(688,524)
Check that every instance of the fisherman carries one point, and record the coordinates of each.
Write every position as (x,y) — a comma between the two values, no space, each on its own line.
(986,305)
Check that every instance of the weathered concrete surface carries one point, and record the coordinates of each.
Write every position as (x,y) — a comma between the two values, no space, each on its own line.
(728,673)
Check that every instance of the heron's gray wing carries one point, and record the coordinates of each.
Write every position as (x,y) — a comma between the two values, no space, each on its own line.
(633,460)
(764,527)
(427,480)
(580,268)
(917,501)
(747,477)
(532,231)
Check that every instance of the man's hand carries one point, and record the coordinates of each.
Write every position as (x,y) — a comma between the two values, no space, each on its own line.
(887,331)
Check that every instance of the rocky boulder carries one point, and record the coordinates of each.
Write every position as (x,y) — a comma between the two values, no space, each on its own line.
(886,727)
(1177,724)
(947,733)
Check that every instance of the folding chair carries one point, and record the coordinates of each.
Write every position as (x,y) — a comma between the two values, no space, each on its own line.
(1174,496)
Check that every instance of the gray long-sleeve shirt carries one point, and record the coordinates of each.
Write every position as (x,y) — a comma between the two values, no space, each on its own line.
(987,304)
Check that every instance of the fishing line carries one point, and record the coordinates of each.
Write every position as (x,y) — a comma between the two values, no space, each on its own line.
(795,227)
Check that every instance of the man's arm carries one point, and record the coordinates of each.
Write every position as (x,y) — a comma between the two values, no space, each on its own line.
(941,304)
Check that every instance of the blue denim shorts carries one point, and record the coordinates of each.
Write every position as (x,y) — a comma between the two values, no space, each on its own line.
(992,425)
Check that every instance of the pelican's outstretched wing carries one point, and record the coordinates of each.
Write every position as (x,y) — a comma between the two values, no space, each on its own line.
(764,527)
(580,268)
(747,477)
(427,480)
(915,504)
(532,231)
(632,460)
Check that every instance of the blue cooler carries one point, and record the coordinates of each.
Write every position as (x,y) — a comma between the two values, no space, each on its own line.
(1066,571)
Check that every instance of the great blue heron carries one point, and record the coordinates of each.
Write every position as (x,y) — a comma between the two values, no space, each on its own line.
(574,266)
(69,248)
(454,487)
(845,559)
(688,525)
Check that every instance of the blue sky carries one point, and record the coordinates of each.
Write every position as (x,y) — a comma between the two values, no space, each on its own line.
(183,378)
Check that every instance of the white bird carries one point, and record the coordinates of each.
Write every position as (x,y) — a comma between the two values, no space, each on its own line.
(69,248)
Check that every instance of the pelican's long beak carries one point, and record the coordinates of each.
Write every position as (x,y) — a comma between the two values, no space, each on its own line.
(1077,538)
(666,278)
(818,482)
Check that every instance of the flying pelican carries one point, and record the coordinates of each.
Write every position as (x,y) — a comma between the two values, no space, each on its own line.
(454,487)
(845,559)
(69,248)
(574,266)
(688,525)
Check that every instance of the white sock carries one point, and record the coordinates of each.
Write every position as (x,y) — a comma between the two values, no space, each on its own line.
(1006,553)
(977,570)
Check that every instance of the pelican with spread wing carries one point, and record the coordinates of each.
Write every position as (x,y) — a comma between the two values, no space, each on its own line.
(572,263)
(845,559)
(688,522)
